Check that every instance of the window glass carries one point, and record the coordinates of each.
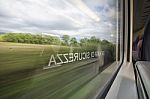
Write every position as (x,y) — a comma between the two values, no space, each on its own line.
(52,48)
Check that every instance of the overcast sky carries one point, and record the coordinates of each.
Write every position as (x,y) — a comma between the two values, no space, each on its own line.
(77,18)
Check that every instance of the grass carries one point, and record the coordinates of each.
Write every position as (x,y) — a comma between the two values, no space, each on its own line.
(22,75)
(15,57)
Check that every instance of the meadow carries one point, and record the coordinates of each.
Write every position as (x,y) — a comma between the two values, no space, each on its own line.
(22,75)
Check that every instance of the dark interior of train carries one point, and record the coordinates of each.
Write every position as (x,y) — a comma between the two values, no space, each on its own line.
(141,47)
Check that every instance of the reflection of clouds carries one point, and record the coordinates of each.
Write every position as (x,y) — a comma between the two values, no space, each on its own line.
(84,8)
(58,17)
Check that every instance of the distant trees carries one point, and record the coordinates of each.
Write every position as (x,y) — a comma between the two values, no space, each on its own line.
(73,42)
(65,39)
(31,39)
(95,44)
(109,50)
(90,44)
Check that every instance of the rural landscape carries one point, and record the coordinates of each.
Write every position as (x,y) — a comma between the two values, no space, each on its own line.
(23,56)
(57,49)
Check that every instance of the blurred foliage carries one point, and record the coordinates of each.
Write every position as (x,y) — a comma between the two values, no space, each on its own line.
(65,39)
(109,50)
(30,38)
(74,42)
(87,44)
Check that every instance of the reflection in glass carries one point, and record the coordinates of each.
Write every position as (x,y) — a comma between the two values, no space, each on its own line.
(52,48)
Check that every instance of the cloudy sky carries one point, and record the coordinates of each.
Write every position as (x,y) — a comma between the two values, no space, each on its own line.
(77,18)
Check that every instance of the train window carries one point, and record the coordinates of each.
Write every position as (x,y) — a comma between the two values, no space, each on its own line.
(52,48)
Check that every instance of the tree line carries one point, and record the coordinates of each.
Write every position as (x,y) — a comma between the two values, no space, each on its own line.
(92,43)
(29,38)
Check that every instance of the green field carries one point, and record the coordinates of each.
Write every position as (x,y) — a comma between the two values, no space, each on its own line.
(22,75)
(15,57)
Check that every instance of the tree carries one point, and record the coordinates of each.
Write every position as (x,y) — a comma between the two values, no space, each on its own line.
(30,38)
(93,39)
(73,41)
(109,48)
(66,39)
(83,41)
